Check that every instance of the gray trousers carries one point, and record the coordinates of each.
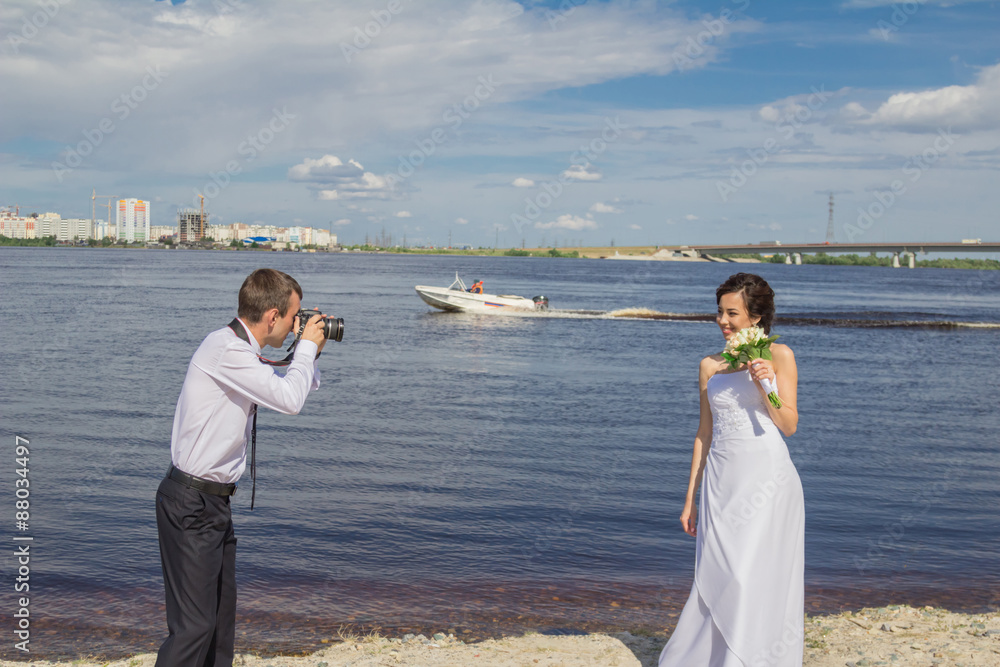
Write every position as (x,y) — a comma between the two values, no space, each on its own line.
(198,553)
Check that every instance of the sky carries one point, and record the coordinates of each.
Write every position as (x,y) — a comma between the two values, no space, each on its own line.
(491,121)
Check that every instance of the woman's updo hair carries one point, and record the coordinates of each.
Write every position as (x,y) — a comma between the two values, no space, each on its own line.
(757,296)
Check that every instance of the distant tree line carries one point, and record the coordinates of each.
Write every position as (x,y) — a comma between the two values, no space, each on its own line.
(45,240)
(512,252)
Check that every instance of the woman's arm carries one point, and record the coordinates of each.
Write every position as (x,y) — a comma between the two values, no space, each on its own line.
(783,366)
(702,443)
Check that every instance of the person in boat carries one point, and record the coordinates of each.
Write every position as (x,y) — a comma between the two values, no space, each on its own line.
(477,287)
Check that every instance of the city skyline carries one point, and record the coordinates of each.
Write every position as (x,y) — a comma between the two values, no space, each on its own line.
(497,122)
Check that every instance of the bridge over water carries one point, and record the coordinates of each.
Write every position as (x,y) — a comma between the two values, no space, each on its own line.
(793,252)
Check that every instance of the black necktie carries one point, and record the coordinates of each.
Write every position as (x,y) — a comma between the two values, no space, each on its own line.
(253,458)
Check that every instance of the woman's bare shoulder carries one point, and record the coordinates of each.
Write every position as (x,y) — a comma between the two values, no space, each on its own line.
(782,351)
(710,365)
(712,360)
(782,356)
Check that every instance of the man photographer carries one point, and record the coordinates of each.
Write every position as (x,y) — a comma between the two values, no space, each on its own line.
(215,418)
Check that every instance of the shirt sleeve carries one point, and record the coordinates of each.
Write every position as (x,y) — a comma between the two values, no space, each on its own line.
(238,369)
(315,362)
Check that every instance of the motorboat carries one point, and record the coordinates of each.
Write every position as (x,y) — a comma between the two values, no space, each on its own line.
(457,297)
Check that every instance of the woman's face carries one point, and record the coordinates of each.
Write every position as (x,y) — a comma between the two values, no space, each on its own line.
(733,314)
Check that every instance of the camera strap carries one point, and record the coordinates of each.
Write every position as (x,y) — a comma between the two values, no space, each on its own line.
(238,329)
(242,333)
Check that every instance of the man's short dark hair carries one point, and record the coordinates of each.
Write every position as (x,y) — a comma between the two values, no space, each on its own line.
(263,290)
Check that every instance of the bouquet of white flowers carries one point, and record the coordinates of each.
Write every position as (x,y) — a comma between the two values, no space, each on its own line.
(749,344)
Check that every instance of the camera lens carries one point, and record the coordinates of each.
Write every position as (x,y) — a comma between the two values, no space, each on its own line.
(333,328)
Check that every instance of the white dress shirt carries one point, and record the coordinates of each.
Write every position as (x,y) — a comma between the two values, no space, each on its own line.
(224,379)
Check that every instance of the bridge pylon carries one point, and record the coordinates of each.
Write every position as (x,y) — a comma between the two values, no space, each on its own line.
(830,236)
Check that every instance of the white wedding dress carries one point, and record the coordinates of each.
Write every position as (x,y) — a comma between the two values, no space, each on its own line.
(746,603)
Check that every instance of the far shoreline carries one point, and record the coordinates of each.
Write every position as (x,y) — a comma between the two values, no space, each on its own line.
(620,253)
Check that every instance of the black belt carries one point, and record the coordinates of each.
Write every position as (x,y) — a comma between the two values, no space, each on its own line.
(205,485)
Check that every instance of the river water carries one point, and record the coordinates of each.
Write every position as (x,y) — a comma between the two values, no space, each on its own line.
(488,474)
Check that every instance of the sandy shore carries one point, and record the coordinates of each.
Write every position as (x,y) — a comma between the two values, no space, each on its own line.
(894,635)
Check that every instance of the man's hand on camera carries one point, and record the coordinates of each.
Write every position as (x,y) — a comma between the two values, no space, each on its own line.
(314,331)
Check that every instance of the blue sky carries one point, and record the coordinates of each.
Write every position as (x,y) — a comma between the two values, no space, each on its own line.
(555,122)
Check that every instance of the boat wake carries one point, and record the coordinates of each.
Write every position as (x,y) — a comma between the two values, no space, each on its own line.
(840,320)
(861,320)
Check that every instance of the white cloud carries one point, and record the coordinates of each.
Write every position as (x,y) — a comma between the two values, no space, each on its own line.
(523,183)
(385,102)
(635,227)
(461,221)
(797,110)
(430,58)
(587,172)
(571,222)
(769,114)
(774,226)
(324,169)
(975,106)
(690,216)
(334,180)
(601,207)
(404,214)
(883,34)
(342,222)
(855,110)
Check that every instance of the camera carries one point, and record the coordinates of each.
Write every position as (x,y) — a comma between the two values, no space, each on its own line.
(333,327)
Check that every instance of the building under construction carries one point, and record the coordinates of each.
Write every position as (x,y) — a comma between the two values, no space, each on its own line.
(191,225)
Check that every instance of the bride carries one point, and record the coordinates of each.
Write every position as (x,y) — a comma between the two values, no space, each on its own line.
(746,603)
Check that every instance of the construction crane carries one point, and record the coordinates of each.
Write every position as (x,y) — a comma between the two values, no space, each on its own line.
(93,209)
(204,221)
